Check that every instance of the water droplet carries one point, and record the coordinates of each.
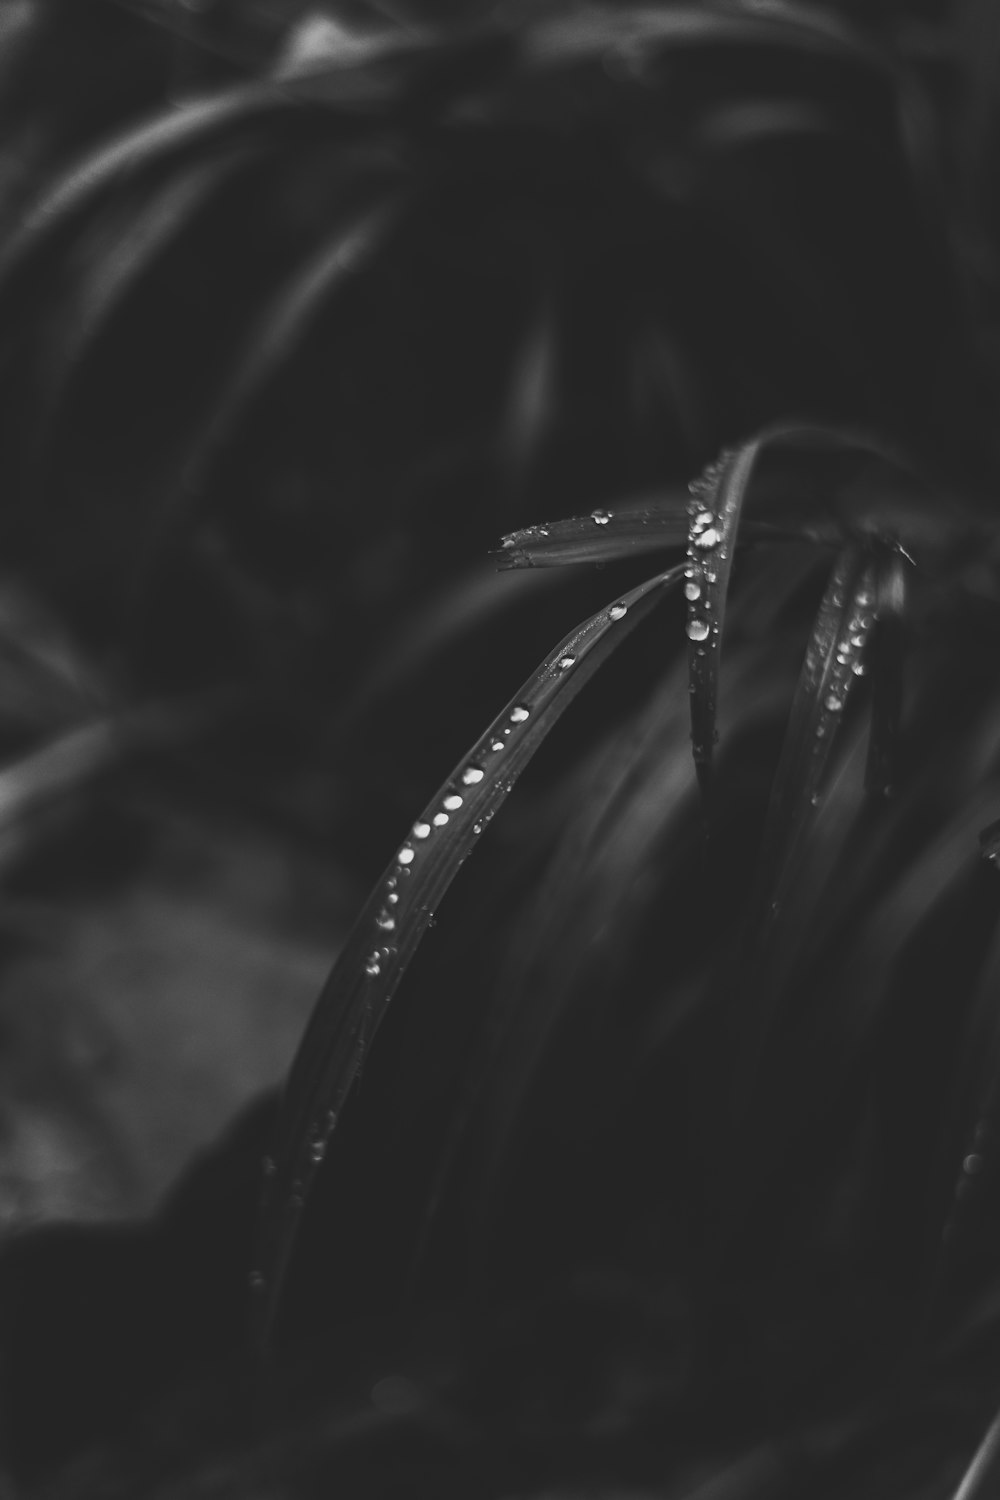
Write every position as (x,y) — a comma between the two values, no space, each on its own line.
(496,745)
(708,539)
(859,669)
(600,517)
(565,662)
(316,1152)
(692,591)
(843,657)
(256,1281)
(405,855)
(618,611)
(702,519)
(689,572)
(384,921)
(697,630)
(477,828)
(857,640)
(453,802)
(392,898)
(470,776)
(507,541)
(421,830)
(373,964)
(518,713)
(439,820)
(972,1164)
(832,703)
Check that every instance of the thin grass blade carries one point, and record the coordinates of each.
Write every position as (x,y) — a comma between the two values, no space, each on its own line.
(356,997)
(982,1478)
(832,662)
(120,266)
(886,653)
(714,515)
(285,322)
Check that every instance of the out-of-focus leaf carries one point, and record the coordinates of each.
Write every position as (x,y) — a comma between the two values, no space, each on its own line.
(389,929)
(274,340)
(982,1478)
(886,657)
(120,265)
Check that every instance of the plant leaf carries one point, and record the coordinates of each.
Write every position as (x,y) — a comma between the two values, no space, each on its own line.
(285,322)
(886,654)
(714,514)
(356,997)
(123,261)
(834,653)
(983,1475)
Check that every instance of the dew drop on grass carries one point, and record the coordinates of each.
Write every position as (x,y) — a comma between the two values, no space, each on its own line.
(373,965)
(565,662)
(470,776)
(692,591)
(496,745)
(600,517)
(833,704)
(618,611)
(405,855)
(317,1151)
(386,922)
(697,630)
(707,539)
(859,669)
(453,802)
(518,714)
(392,898)
(439,820)
(421,830)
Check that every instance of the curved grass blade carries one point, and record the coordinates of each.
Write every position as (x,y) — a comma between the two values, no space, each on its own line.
(886,654)
(833,660)
(273,341)
(982,1478)
(714,515)
(357,995)
(609,535)
(124,261)
(138,147)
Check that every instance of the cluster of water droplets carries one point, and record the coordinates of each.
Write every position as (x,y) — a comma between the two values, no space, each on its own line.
(423,831)
(703,553)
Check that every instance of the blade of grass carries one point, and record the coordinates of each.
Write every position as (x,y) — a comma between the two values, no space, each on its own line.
(982,1478)
(714,515)
(886,653)
(833,656)
(357,995)
(347,252)
(122,259)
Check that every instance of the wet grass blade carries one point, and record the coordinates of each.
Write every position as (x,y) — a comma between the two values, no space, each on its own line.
(714,515)
(357,995)
(886,655)
(601,536)
(833,659)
